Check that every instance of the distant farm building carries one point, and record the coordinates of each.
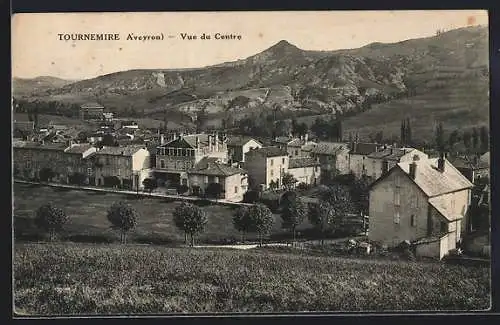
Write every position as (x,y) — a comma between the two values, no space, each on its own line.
(91,111)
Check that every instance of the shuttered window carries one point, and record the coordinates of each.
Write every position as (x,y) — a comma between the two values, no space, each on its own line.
(396,217)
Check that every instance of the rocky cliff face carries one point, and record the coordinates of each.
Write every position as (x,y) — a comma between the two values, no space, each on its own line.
(343,81)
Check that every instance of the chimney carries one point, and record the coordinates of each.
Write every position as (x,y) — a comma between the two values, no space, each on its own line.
(197,142)
(441,160)
(385,167)
(162,139)
(413,166)
(306,137)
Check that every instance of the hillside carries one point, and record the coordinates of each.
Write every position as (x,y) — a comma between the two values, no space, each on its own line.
(377,84)
(24,86)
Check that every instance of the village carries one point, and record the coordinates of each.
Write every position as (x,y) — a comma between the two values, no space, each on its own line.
(428,199)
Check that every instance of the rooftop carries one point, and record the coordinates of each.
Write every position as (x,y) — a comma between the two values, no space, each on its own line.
(329,148)
(470,163)
(390,153)
(40,146)
(302,162)
(239,140)
(189,141)
(432,181)
(441,204)
(78,148)
(120,151)
(269,152)
(364,148)
(211,166)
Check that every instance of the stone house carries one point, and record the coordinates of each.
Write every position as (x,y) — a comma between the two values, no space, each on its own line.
(333,158)
(238,146)
(379,162)
(266,165)
(175,157)
(358,156)
(130,164)
(424,202)
(305,169)
(77,162)
(294,146)
(29,158)
(234,181)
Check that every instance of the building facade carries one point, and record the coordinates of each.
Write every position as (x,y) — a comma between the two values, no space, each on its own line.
(233,181)
(266,165)
(238,146)
(333,158)
(380,162)
(424,202)
(358,157)
(183,152)
(91,111)
(128,165)
(305,170)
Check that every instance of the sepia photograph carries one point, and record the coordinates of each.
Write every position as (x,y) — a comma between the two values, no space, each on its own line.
(250,162)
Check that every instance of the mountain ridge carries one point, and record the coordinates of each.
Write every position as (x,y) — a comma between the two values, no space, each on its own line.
(309,82)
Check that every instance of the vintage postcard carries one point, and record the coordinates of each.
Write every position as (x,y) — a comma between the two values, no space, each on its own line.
(250,162)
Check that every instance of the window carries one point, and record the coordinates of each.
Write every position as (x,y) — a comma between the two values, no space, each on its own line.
(296,152)
(413,220)
(107,161)
(396,198)
(236,189)
(162,163)
(28,164)
(89,171)
(444,227)
(397,181)
(206,179)
(216,179)
(272,162)
(396,217)
(283,161)
(272,173)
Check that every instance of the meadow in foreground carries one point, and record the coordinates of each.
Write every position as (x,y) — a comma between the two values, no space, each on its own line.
(127,279)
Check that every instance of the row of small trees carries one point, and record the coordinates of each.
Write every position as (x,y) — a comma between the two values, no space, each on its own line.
(189,218)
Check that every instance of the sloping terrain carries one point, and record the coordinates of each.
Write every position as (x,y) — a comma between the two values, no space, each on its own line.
(431,77)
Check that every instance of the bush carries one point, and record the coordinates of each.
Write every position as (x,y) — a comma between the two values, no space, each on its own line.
(251,196)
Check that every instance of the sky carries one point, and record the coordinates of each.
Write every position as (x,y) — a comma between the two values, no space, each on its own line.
(38,51)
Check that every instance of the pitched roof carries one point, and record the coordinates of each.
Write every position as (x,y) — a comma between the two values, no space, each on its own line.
(433,182)
(239,140)
(269,152)
(92,105)
(390,153)
(302,162)
(189,141)
(469,163)
(485,158)
(78,148)
(364,148)
(211,166)
(443,206)
(119,151)
(40,146)
(329,148)
(283,139)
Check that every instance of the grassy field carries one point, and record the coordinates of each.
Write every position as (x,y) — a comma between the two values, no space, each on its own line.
(105,279)
(87,216)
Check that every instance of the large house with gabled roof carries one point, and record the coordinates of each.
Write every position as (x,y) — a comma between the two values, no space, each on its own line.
(175,157)
(425,202)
